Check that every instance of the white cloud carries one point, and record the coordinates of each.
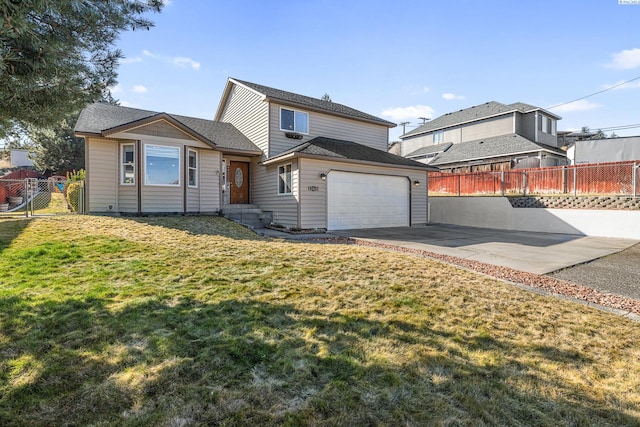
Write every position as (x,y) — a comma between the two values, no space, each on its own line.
(130,60)
(426,89)
(413,112)
(179,61)
(582,105)
(625,59)
(186,62)
(451,96)
(140,89)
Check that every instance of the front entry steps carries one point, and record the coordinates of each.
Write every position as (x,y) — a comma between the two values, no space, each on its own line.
(249,215)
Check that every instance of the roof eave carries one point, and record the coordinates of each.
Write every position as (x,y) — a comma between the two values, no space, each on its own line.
(499,155)
(154,118)
(227,92)
(328,112)
(290,156)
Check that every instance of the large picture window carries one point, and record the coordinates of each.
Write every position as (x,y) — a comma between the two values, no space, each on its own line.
(193,168)
(162,165)
(128,164)
(294,121)
(284,179)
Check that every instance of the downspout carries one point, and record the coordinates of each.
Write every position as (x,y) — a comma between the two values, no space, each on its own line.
(185,185)
(138,174)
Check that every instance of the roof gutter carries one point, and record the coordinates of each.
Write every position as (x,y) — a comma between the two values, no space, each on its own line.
(291,156)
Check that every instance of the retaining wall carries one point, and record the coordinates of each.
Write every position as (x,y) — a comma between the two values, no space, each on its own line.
(497,212)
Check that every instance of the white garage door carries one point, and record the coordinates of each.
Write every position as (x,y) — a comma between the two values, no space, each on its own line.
(358,200)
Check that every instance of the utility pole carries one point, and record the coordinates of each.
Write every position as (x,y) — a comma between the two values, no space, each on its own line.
(424,119)
(404,124)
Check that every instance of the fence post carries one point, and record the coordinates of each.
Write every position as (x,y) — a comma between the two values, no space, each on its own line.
(459,179)
(524,183)
(635,180)
(564,180)
(502,182)
(25,194)
(575,181)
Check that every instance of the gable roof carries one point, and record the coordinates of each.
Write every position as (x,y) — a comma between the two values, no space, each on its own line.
(430,149)
(475,113)
(302,101)
(346,150)
(99,119)
(504,145)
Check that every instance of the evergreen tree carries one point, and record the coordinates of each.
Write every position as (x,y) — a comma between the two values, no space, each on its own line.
(57,56)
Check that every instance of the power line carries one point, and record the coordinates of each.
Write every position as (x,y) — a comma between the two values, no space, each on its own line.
(595,93)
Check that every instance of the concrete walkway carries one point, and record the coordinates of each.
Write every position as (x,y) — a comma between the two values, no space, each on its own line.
(539,253)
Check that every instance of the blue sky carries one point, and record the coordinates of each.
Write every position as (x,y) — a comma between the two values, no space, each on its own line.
(399,60)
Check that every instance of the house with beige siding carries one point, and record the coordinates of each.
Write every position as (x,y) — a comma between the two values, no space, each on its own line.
(301,162)
(487,137)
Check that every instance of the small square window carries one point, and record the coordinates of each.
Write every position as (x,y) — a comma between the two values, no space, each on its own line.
(284,179)
(438,137)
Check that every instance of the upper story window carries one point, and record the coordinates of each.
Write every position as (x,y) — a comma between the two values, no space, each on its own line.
(161,165)
(294,121)
(284,179)
(438,137)
(128,165)
(193,168)
(546,125)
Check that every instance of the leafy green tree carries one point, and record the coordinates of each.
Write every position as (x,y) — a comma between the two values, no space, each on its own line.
(57,56)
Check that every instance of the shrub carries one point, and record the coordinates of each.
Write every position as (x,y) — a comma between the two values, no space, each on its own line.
(74,190)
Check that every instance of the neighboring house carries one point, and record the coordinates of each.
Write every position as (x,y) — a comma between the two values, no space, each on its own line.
(604,150)
(311,163)
(490,136)
(567,137)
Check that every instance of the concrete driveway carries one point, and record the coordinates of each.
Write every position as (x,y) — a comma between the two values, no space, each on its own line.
(539,253)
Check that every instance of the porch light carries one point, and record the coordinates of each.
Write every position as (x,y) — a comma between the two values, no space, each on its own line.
(323,176)
(416,183)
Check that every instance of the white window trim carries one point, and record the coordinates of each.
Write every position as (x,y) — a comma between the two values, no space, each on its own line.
(278,179)
(294,120)
(123,164)
(144,159)
(189,151)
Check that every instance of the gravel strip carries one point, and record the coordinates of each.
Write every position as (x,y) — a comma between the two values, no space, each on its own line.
(545,283)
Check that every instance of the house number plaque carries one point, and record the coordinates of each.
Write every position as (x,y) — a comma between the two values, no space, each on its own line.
(238,177)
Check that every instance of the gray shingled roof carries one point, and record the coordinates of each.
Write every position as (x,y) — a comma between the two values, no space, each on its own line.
(477,112)
(99,117)
(497,146)
(430,149)
(348,150)
(314,103)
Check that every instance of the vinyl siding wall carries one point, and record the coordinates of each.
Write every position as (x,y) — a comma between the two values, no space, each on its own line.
(326,125)
(102,174)
(487,128)
(313,204)
(209,175)
(161,129)
(104,188)
(248,112)
(264,192)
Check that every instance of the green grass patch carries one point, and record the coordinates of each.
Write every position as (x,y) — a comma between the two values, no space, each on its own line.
(198,321)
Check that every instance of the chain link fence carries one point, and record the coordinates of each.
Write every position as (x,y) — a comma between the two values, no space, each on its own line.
(34,197)
(620,179)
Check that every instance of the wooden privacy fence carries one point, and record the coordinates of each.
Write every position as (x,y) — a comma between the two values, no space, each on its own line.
(620,178)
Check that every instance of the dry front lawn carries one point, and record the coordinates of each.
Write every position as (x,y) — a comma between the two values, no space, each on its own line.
(196,321)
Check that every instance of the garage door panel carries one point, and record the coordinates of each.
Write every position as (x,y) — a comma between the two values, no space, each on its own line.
(357,200)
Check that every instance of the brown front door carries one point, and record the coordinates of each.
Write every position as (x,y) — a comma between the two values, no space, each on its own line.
(239,182)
